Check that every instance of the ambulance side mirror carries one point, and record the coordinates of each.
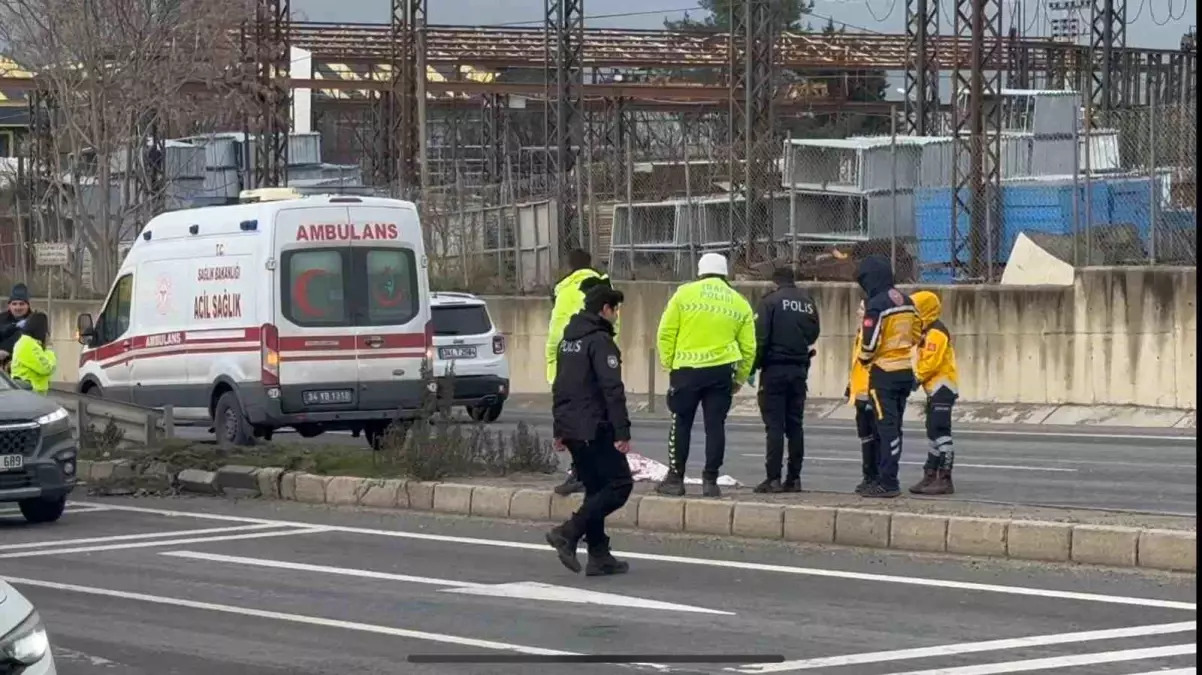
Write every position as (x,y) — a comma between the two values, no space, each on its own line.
(85,328)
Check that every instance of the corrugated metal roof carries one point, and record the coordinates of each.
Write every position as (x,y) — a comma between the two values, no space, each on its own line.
(382,73)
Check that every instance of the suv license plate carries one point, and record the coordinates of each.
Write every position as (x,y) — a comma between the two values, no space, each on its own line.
(334,397)
(456,352)
(12,462)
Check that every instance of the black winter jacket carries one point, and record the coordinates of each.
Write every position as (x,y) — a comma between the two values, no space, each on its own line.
(9,333)
(786,328)
(588,390)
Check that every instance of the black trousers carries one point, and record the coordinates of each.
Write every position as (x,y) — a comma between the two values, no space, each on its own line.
(607,485)
(713,390)
(889,392)
(939,429)
(870,442)
(782,398)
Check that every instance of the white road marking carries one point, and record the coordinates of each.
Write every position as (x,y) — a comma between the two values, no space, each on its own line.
(303,619)
(1175,671)
(169,542)
(968,648)
(1007,467)
(135,537)
(71,508)
(524,590)
(1061,661)
(940,584)
(1041,434)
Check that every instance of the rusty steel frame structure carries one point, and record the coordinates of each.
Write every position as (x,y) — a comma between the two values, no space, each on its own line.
(563,63)
(922,67)
(269,42)
(976,138)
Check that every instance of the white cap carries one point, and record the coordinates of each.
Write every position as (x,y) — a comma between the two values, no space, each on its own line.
(711,263)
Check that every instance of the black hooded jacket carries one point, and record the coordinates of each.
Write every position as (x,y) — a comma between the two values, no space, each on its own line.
(588,390)
(9,332)
(891,327)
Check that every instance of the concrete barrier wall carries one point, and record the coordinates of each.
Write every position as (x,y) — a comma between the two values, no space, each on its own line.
(1117,336)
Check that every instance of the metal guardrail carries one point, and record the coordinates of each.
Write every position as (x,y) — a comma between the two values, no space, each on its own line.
(139,425)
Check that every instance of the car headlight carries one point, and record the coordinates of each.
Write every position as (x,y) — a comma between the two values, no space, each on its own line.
(52,418)
(27,644)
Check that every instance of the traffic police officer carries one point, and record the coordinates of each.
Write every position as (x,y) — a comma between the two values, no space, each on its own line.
(706,341)
(889,332)
(786,328)
(568,299)
(591,421)
(936,372)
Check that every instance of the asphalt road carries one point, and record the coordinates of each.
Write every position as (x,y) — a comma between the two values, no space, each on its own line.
(196,586)
(1154,471)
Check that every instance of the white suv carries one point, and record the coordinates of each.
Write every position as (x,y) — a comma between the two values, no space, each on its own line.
(468,348)
(24,647)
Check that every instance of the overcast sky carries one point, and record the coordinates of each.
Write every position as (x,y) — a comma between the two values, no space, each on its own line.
(1154,23)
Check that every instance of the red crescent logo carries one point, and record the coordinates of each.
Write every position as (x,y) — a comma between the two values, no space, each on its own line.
(300,292)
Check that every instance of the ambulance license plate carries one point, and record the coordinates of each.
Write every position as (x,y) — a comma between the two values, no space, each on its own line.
(328,397)
(456,352)
(12,462)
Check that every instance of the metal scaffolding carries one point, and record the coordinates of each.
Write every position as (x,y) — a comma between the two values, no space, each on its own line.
(397,109)
(273,64)
(1107,42)
(922,67)
(751,77)
(564,64)
(976,135)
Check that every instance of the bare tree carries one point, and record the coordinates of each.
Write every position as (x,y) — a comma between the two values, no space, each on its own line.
(115,78)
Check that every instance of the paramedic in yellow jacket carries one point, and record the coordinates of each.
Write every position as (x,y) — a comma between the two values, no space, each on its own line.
(857,396)
(935,371)
(32,360)
(568,300)
(706,342)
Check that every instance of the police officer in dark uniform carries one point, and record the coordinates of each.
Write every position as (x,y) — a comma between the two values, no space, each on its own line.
(786,328)
(591,422)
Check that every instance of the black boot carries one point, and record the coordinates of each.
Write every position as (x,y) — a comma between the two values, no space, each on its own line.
(942,484)
(709,488)
(672,485)
(602,563)
(769,486)
(865,483)
(570,485)
(565,546)
(792,484)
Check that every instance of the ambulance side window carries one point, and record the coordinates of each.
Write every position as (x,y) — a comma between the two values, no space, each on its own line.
(114,319)
(314,282)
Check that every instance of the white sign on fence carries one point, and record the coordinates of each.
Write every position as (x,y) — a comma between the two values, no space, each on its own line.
(51,255)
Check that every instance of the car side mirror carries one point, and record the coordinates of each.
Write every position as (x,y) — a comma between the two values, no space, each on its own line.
(85,328)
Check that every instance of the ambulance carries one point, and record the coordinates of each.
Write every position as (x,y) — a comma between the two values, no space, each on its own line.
(303,311)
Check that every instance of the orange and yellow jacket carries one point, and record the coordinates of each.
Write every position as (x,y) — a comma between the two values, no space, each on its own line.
(935,362)
(857,379)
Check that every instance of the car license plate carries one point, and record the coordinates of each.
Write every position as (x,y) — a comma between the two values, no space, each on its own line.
(334,397)
(11,462)
(456,352)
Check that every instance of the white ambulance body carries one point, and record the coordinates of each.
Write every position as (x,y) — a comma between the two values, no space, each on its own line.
(311,313)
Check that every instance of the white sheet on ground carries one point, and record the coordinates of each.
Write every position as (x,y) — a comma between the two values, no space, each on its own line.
(646,469)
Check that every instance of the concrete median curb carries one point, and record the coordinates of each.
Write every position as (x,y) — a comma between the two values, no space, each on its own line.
(1018,539)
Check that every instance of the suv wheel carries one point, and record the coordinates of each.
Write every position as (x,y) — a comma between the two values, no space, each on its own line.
(486,413)
(38,511)
(229,422)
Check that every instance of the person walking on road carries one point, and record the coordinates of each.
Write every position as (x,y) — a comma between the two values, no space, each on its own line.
(568,299)
(592,423)
(786,328)
(937,374)
(857,396)
(889,332)
(706,342)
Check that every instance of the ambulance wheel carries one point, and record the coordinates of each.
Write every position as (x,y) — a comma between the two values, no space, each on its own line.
(229,422)
(309,430)
(486,413)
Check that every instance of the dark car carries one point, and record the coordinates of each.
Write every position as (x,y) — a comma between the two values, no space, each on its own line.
(38,453)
